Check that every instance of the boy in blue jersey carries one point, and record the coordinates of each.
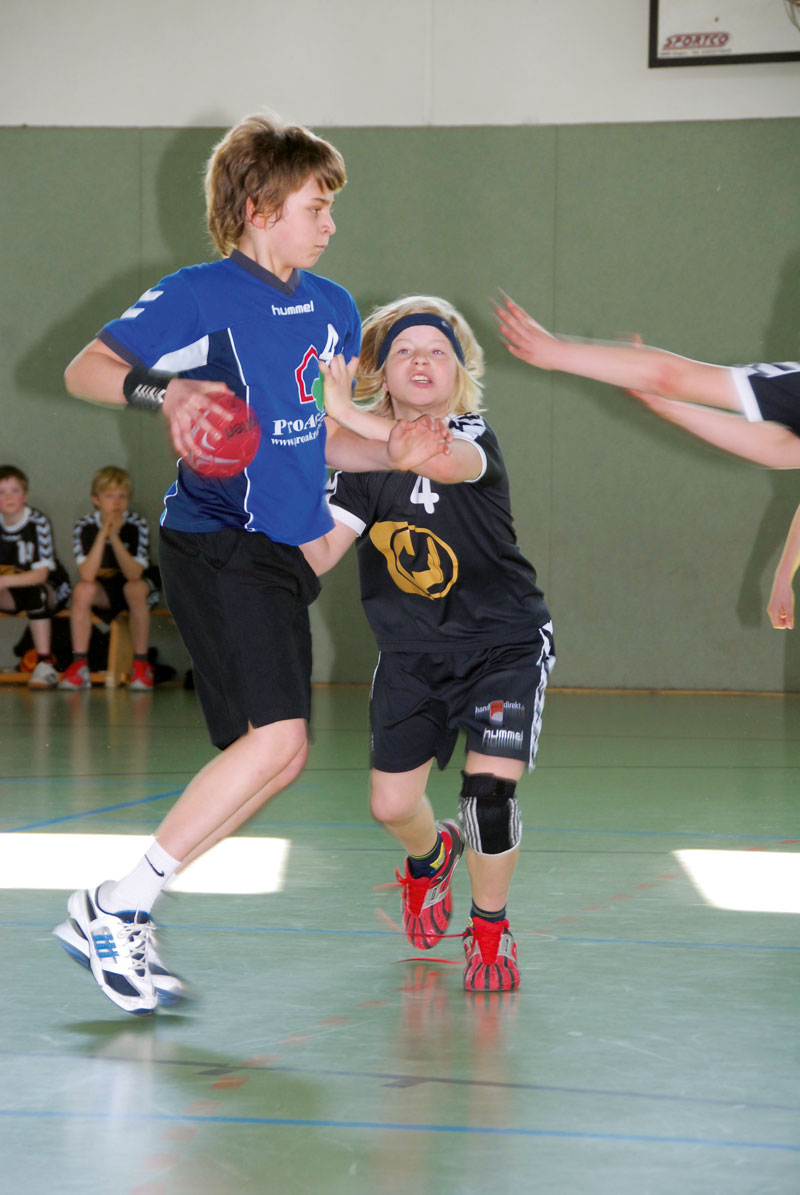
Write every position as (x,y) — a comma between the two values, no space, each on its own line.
(254,324)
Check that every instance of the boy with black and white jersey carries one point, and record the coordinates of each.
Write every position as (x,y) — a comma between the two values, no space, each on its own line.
(465,637)
(32,580)
(111,546)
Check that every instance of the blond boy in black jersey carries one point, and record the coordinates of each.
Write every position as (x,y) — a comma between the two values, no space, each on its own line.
(464,634)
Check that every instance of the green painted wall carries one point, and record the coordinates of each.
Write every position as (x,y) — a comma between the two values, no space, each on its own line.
(655,551)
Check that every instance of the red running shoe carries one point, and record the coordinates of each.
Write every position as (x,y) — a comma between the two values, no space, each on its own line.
(141,678)
(491,957)
(76,677)
(427,902)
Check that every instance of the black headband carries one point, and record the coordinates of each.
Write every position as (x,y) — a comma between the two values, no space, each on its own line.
(413,321)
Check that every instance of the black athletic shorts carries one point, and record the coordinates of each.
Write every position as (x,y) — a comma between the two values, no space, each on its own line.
(420,701)
(114,589)
(34,600)
(241,603)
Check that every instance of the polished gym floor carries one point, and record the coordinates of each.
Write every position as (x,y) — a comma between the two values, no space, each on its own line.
(652,1047)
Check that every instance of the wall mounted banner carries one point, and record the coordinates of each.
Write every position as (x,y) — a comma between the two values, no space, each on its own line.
(723,32)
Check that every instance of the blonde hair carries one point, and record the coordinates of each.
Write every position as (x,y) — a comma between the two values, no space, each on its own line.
(108,477)
(263,160)
(466,397)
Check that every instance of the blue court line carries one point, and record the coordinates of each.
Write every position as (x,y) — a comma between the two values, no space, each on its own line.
(73,817)
(682,835)
(390,1126)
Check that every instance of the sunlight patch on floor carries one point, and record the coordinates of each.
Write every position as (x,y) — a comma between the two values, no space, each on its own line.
(237,866)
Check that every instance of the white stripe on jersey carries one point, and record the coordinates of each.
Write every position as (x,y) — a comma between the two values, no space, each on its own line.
(149,296)
(774,370)
(191,356)
(741,378)
(470,427)
(546,660)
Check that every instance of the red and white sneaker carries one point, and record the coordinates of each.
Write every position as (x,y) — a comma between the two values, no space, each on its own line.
(428,902)
(76,677)
(141,677)
(491,957)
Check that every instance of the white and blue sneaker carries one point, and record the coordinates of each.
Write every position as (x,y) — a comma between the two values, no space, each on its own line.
(169,987)
(115,949)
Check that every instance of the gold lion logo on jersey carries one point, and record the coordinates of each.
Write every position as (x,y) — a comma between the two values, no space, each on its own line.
(418,561)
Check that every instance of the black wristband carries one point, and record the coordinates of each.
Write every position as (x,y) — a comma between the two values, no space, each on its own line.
(145,389)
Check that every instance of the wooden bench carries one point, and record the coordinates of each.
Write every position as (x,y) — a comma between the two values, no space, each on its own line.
(120,650)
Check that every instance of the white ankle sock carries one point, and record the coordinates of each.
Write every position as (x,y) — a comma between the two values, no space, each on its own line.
(139,890)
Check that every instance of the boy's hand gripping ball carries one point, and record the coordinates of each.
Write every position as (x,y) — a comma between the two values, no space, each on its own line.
(232,446)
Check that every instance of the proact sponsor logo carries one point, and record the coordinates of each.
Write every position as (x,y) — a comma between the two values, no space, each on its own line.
(296,431)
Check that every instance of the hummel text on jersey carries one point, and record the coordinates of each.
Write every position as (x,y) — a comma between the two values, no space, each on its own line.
(299,309)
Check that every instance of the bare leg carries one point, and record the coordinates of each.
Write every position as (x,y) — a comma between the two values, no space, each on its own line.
(232,786)
(398,801)
(136,594)
(85,595)
(251,807)
(40,633)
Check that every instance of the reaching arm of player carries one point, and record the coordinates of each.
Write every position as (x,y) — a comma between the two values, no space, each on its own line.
(633,367)
(766,443)
(97,375)
(410,443)
(780,606)
(462,463)
(337,383)
(323,553)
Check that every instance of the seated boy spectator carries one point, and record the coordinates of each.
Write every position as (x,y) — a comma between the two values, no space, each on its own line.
(31,578)
(111,551)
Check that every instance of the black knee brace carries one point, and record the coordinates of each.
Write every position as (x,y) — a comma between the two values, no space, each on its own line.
(489,813)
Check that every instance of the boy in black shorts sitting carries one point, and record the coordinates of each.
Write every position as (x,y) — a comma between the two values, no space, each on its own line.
(32,580)
(111,550)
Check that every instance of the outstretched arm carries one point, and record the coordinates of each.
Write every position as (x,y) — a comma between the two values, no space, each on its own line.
(767,443)
(408,444)
(780,606)
(329,549)
(337,388)
(633,367)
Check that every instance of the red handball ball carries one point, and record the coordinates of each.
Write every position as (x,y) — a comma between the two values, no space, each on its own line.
(234,444)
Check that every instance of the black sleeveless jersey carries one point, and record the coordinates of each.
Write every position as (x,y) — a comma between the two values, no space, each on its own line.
(440,567)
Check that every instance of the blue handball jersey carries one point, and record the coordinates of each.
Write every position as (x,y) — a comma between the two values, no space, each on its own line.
(232,321)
